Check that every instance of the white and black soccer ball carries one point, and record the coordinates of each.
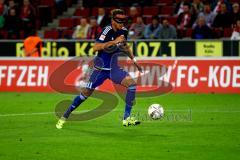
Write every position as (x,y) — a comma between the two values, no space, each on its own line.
(155,111)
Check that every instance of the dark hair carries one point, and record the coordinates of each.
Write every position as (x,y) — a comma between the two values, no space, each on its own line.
(187,4)
(115,12)
(155,18)
(164,18)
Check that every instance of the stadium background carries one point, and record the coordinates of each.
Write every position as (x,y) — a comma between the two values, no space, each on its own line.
(201,111)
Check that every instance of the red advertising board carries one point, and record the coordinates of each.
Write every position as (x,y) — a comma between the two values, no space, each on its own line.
(185,75)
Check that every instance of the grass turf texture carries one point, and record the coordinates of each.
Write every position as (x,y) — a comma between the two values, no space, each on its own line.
(196,127)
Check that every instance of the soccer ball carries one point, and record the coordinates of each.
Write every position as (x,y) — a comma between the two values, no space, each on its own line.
(155,111)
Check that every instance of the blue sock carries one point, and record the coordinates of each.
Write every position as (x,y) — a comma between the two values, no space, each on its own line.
(76,102)
(130,97)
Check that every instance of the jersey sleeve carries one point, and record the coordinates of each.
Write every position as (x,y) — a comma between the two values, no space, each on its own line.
(103,36)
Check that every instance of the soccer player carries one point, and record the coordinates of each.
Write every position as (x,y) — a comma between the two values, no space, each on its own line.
(106,67)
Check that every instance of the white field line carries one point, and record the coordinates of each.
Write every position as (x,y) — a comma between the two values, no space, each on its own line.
(168,111)
(25,114)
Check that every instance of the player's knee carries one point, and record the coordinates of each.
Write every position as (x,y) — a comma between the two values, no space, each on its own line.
(87,92)
(131,83)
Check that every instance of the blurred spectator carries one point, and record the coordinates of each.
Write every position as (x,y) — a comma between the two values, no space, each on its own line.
(94,29)
(207,14)
(3,8)
(28,12)
(133,14)
(32,45)
(12,5)
(236,31)
(216,5)
(102,19)
(27,16)
(168,31)
(152,31)
(235,13)
(136,30)
(179,7)
(223,19)
(12,24)
(197,6)
(185,19)
(202,31)
(81,30)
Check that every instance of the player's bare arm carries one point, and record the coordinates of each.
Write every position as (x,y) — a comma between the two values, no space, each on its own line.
(129,53)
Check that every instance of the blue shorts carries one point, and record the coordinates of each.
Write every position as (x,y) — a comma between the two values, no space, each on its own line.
(98,76)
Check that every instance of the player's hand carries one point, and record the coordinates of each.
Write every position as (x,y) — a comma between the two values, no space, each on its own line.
(119,39)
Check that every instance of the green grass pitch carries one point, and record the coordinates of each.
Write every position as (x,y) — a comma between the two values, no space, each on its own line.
(196,126)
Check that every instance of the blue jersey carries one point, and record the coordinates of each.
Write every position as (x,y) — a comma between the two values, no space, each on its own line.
(106,59)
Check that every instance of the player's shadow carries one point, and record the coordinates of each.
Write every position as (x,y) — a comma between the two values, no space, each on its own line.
(126,134)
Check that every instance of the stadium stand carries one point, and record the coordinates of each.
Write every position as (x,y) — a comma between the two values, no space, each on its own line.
(51,34)
(58,19)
